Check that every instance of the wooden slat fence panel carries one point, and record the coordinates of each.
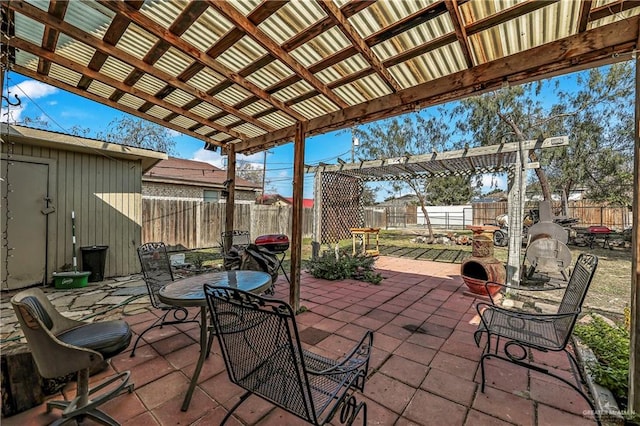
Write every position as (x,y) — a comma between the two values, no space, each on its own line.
(588,213)
(194,224)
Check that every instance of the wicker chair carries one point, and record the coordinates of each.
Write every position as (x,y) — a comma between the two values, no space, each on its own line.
(156,270)
(262,352)
(61,346)
(524,331)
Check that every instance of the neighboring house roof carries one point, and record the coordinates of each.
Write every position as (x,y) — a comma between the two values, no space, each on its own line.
(270,199)
(307,203)
(190,172)
(63,141)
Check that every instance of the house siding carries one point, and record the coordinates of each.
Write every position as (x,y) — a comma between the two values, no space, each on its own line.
(171,191)
(106,195)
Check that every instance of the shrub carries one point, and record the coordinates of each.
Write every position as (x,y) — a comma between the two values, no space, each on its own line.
(358,267)
(610,345)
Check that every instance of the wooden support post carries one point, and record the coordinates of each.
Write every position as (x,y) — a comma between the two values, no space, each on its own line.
(296,226)
(231,194)
(317,214)
(634,361)
(515,211)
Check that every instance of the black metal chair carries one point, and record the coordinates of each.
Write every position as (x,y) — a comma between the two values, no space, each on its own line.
(262,352)
(524,331)
(234,238)
(61,346)
(156,270)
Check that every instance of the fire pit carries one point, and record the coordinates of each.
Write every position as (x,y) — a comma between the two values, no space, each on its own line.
(482,266)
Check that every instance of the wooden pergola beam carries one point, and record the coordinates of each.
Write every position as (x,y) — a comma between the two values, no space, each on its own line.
(561,56)
(612,8)
(50,36)
(240,21)
(460,30)
(186,48)
(76,91)
(432,11)
(79,68)
(583,19)
(109,50)
(234,35)
(191,13)
(350,32)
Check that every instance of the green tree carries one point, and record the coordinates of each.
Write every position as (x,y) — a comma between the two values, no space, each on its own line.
(249,171)
(139,133)
(368,196)
(596,115)
(413,135)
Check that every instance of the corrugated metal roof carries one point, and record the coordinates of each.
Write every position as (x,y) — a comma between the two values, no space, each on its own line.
(246,71)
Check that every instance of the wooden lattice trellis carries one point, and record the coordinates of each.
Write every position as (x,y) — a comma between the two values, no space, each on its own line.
(342,206)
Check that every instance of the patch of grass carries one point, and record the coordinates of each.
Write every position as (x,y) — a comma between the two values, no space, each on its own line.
(610,345)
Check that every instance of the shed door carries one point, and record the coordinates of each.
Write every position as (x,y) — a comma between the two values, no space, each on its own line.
(24,223)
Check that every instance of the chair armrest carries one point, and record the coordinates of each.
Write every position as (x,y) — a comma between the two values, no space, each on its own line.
(357,357)
(504,287)
(481,307)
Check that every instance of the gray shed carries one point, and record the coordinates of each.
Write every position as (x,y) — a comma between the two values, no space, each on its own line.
(46,176)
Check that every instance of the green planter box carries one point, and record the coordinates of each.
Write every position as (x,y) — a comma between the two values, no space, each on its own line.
(65,280)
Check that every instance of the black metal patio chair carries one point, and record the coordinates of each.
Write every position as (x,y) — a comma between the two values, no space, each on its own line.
(262,352)
(523,332)
(156,271)
(234,238)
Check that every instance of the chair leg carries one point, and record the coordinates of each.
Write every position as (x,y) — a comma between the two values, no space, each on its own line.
(81,406)
(236,405)
(162,321)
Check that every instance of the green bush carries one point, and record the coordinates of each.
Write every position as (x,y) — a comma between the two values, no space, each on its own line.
(358,267)
(610,345)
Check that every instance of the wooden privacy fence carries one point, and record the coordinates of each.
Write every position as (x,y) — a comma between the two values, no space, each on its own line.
(615,217)
(194,224)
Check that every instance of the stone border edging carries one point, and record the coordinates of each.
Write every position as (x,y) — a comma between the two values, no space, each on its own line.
(606,405)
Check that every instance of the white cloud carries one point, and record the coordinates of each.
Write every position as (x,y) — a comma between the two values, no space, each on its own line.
(32,89)
(173,133)
(218,160)
(26,90)
(211,157)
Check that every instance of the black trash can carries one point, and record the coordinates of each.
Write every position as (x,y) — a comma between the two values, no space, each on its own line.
(93,260)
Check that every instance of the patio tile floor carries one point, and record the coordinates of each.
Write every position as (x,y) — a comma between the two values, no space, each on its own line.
(424,367)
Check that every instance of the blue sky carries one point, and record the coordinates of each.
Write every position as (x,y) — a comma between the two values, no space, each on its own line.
(63,110)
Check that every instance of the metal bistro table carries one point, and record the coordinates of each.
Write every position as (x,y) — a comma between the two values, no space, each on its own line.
(189,292)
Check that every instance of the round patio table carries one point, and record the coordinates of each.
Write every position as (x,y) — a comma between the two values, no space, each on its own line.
(189,292)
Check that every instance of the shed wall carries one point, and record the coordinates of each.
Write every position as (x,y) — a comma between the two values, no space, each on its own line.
(105,194)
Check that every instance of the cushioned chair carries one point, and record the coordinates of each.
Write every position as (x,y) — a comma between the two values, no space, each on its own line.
(157,272)
(262,352)
(61,346)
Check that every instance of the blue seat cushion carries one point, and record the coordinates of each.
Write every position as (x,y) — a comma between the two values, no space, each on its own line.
(107,337)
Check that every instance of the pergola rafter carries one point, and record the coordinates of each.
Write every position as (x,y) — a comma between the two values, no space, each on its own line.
(373,71)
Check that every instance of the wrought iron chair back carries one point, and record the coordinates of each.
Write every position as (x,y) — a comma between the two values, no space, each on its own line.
(261,348)
(234,238)
(156,271)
